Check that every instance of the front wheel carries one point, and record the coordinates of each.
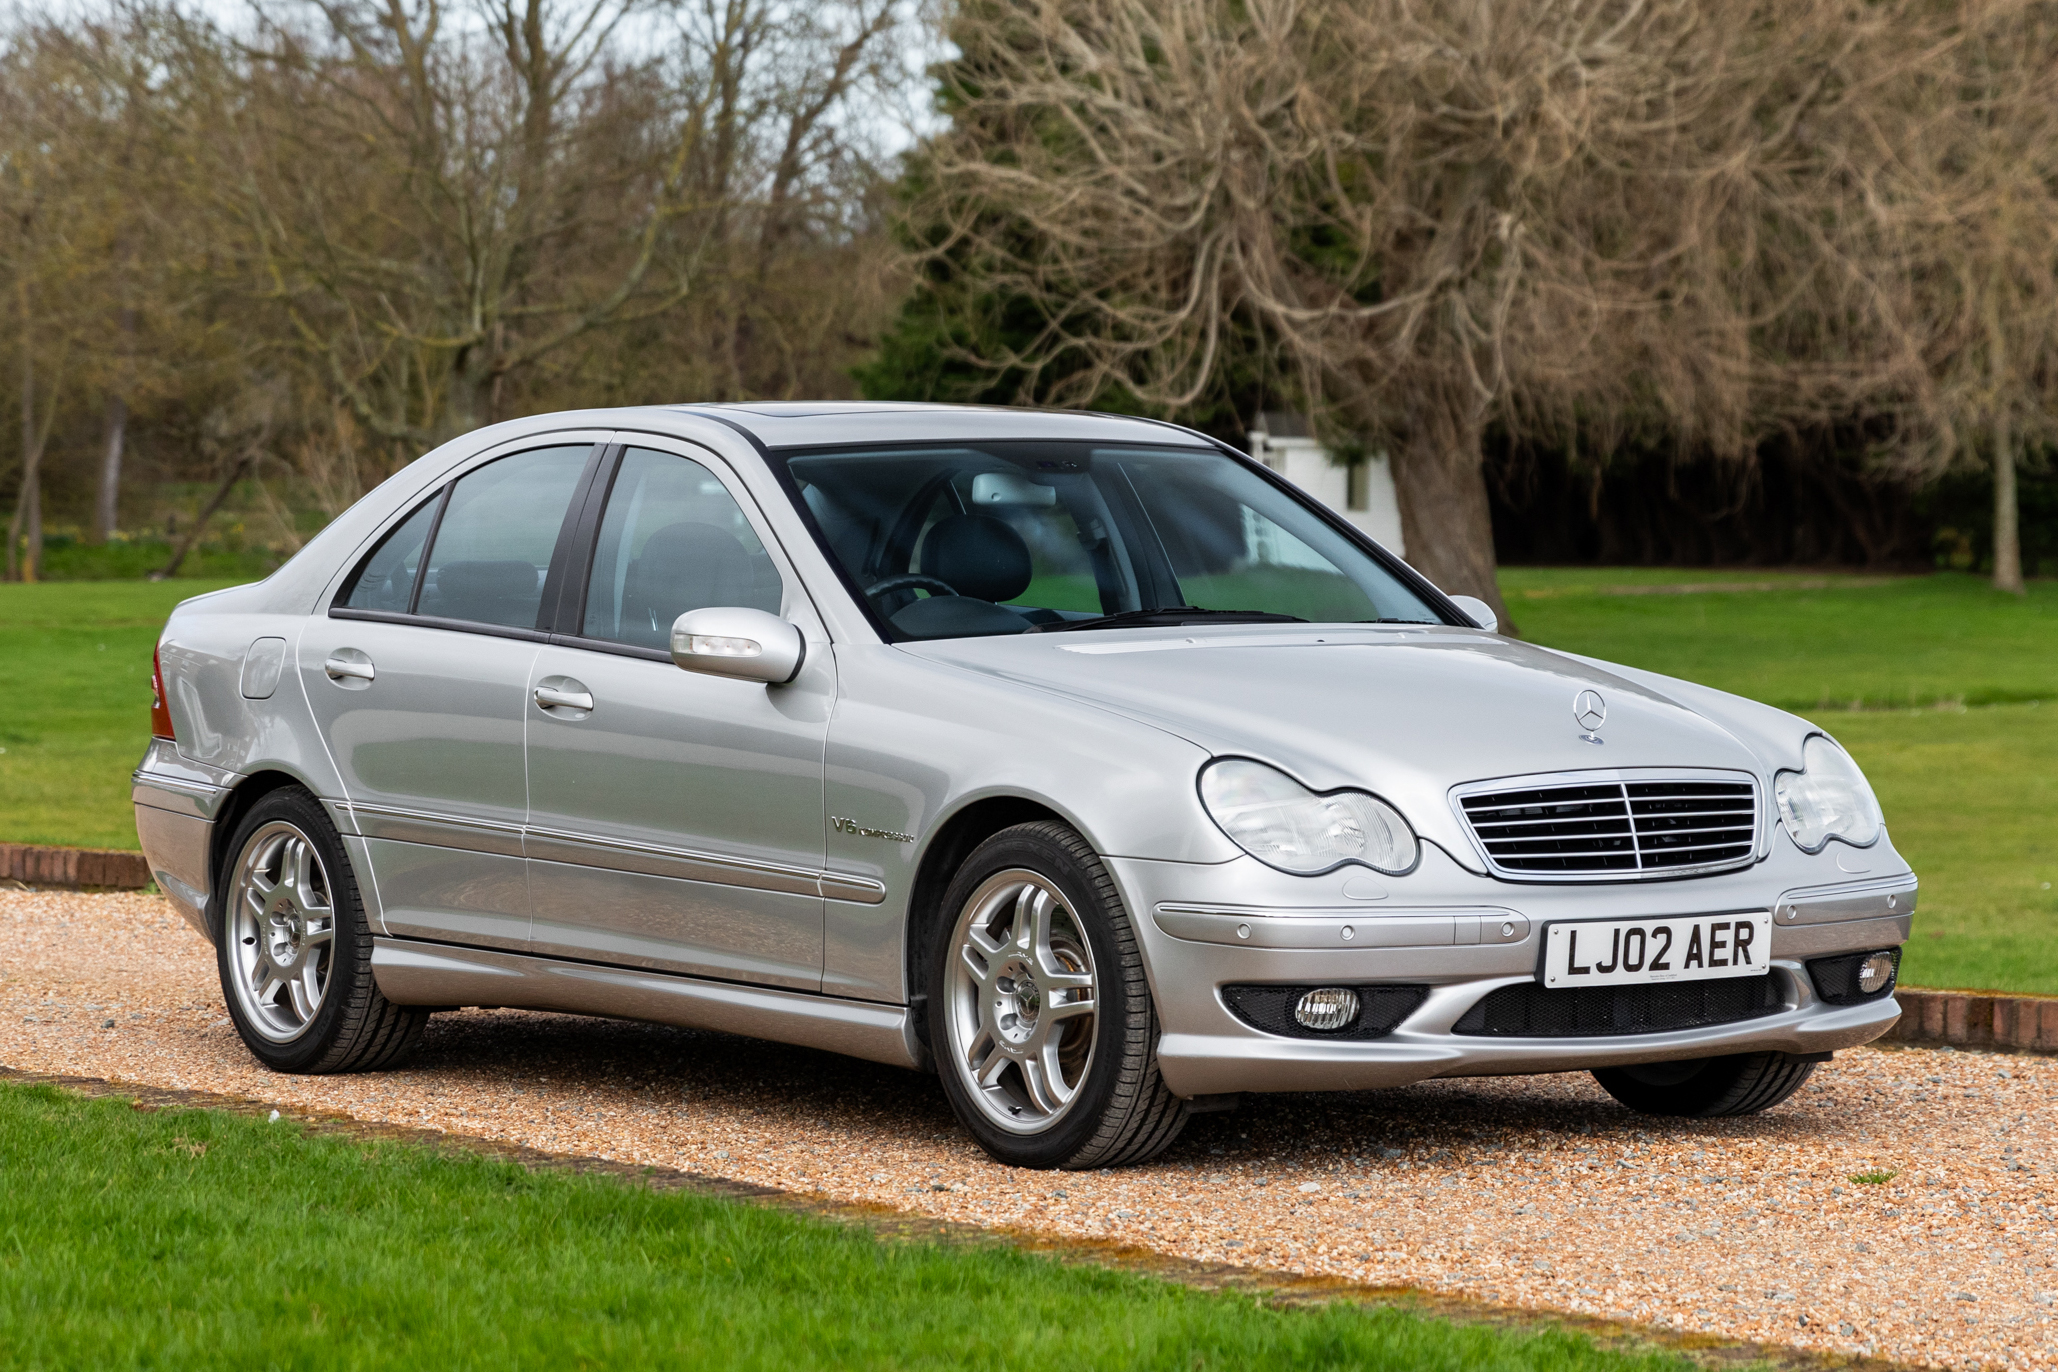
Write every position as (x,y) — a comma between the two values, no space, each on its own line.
(1039,1011)
(1707,1088)
(295,952)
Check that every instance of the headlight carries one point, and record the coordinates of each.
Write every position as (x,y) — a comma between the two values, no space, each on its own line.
(1827,799)
(1282,823)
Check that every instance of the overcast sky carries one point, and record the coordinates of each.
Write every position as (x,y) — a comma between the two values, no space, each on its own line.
(890,122)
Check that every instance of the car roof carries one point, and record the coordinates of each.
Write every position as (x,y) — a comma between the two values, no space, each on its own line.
(809,424)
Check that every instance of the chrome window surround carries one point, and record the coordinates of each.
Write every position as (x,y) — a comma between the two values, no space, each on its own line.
(1623,776)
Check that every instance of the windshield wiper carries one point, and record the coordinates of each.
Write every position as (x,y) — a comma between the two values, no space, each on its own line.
(1167,615)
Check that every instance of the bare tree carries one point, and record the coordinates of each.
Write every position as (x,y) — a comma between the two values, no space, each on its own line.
(1442,214)
(39,199)
(236,438)
(434,202)
(1965,199)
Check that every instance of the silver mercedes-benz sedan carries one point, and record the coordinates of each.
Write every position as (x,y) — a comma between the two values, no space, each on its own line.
(1080,758)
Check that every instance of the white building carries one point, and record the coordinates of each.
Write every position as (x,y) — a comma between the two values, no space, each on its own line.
(1361,492)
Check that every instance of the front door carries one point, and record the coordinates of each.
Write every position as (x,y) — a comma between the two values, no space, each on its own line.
(418,678)
(675,820)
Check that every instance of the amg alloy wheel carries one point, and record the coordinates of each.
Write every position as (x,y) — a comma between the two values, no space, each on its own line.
(280,932)
(295,949)
(1019,1002)
(1040,1014)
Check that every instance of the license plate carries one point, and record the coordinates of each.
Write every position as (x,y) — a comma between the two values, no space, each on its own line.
(1681,948)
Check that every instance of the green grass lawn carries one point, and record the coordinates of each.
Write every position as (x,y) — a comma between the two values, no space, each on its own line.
(75,673)
(1971,794)
(1870,642)
(1971,800)
(199,1239)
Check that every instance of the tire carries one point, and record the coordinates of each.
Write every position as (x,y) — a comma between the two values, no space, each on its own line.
(1707,1088)
(295,952)
(1035,1088)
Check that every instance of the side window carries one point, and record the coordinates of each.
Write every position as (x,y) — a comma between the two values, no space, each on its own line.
(673,539)
(386,582)
(494,544)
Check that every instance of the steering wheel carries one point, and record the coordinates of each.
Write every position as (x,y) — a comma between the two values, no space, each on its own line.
(909,583)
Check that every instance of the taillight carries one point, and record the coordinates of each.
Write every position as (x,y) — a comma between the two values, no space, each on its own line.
(160,714)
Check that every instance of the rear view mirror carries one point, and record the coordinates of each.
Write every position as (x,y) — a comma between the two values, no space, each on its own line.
(1005,488)
(732,641)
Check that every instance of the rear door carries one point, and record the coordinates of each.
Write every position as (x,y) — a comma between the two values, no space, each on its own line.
(418,675)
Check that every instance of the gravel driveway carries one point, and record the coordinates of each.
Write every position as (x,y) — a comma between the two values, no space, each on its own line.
(1532,1191)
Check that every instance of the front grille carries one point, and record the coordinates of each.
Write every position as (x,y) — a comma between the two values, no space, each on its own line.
(1270,1008)
(1630,829)
(1530,1011)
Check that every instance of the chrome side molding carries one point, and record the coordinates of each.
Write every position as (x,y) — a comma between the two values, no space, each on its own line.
(621,855)
(441,831)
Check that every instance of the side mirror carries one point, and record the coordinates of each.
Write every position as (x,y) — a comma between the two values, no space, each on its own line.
(1477,610)
(728,640)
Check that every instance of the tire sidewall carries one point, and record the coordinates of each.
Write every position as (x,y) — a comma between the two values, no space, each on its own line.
(1724,1086)
(301,810)
(1036,852)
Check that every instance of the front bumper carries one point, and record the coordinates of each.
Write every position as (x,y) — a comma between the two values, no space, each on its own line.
(1463,936)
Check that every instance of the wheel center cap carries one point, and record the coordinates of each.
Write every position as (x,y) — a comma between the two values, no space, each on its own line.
(289,930)
(1016,1001)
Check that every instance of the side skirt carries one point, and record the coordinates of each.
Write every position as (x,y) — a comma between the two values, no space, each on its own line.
(414,973)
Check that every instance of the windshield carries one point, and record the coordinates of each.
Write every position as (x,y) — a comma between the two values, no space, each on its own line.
(1017,537)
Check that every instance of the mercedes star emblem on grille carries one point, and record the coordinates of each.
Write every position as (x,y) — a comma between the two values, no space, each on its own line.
(1592,712)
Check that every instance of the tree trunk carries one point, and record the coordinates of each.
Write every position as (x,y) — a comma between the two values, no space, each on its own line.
(28,440)
(1440,481)
(199,526)
(107,504)
(24,563)
(2007,530)
(32,525)
(468,386)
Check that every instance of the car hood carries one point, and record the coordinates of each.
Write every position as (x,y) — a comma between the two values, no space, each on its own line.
(1407,712)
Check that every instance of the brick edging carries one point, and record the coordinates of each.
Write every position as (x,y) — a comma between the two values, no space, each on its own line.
(1971,1019)
(42,865)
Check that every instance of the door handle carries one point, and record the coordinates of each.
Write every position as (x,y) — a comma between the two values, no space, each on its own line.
(347,666)
(563,693)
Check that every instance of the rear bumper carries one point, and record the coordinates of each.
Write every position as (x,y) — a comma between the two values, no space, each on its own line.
(1206,927)
(177,801)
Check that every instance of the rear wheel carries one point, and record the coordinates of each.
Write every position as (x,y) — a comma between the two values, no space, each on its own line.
(295,953)
(1706,1088)
(1040,1014)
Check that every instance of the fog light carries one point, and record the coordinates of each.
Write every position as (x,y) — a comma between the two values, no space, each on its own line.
(1330,1007)
(1875,972)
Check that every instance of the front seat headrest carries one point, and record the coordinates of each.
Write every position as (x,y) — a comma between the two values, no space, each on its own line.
(688,566)
(979,556)
(487,592)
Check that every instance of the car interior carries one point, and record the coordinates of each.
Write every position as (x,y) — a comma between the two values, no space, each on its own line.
(1010,538)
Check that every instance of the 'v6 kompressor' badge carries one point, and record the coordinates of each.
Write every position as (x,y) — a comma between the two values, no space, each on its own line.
(851,826)
(1591,712)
